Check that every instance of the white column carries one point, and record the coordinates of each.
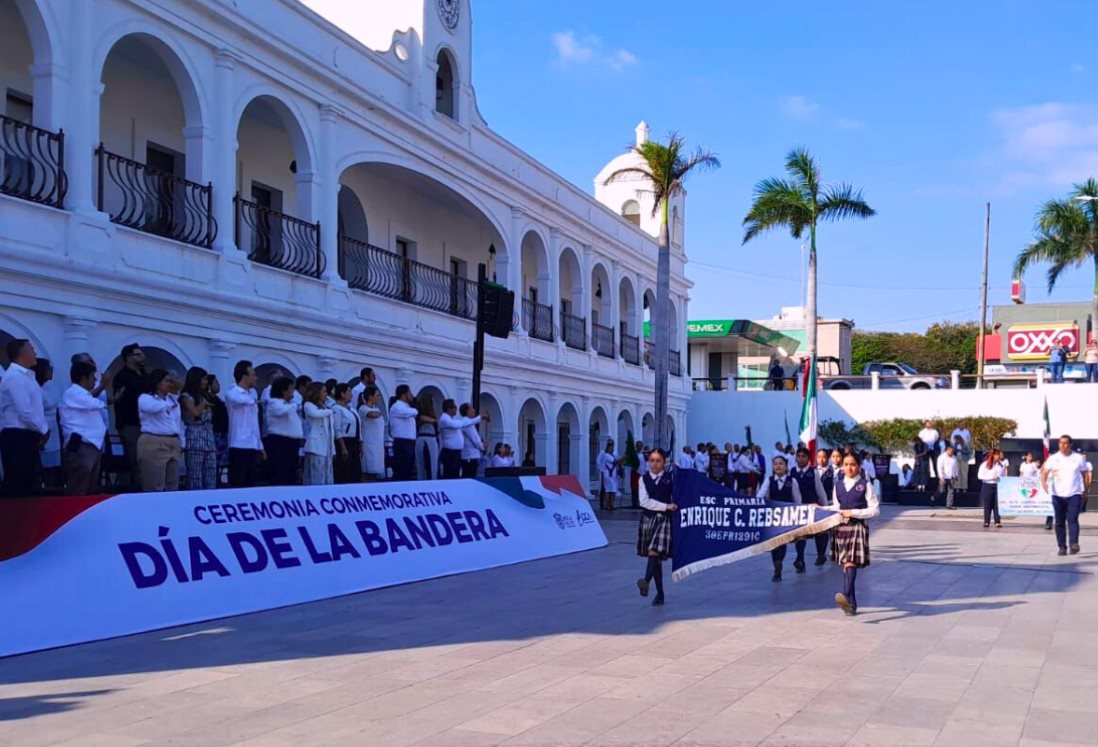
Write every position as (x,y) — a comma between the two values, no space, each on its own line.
(514,266)
(327,211)
(82,137)
(547,441)
(588,288)
(582,470)
(223,160)
(76,334)
(221,364)
(615,303)
(48,87)
(554,280)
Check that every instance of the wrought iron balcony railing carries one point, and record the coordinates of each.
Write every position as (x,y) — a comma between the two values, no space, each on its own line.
(630,349)
(154,201)
(603,339)
(32,163)
(674,363)
(574,331)
(278,240)
(537,318)
(369,268)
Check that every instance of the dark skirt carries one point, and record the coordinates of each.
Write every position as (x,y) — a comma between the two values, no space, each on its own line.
(654,535)
(850,543)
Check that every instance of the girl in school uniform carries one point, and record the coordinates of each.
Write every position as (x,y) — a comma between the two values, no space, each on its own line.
(780,486)
(991,469)
(857,503)
(654,532)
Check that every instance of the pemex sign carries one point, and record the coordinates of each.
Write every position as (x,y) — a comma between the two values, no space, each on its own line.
(1028,342)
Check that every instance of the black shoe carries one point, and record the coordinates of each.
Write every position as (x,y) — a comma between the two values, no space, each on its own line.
(952,508)
(1074,550)
(658,601)
(1048,527)
(1062,551)
(986,526)
(821,560)
(799,565)
(642,585)
(777,572)
(998,525)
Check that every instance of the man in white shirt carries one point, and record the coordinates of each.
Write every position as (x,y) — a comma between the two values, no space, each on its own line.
(23,427)
(83,430)
(701,459)
(245,445)
(451,428)
(685,460)
(1067,470)
(402,428)
(366,377)
(472,450)
(265,398)
(947,475)
(929,436)
(102,383)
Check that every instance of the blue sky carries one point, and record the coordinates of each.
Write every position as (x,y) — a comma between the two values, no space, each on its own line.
(933,108)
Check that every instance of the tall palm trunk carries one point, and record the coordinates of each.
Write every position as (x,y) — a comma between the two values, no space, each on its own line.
(1094,304)
(810,310)
(661,333)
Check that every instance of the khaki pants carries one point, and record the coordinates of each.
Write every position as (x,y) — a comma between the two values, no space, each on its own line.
(961,482)
(82,469)
(158,462)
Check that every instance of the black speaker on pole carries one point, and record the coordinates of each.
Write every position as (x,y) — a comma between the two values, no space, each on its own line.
(498,310)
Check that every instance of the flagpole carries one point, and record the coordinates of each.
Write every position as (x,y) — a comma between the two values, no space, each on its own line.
(983,303)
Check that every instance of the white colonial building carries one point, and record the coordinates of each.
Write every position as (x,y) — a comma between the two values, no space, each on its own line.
(310,186)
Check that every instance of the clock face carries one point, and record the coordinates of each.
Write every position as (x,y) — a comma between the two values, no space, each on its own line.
(449,11)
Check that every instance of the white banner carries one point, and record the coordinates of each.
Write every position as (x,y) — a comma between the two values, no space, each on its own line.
(80,569)
(1023,496)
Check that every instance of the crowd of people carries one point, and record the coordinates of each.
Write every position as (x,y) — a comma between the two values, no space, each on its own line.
(171,427)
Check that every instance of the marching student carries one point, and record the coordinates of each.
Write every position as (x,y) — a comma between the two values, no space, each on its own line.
(856,501)
(654,531)
(608,464)
(991,469)
(812,490)
(780,486)
(1067,470)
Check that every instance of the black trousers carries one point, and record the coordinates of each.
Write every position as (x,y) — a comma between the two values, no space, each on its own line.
(469,467)
(243,468)
(348,471)
(450,460)
(989,499)
(282,460)
(404,459)
(19,451)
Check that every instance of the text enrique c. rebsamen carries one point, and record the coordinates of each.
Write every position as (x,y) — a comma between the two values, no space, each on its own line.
(192,558)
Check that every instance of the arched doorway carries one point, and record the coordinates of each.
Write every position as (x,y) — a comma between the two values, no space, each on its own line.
(537,308)
(598,432)
(156,358)
(533,435)
(624,429)
(495,431)
(573,325)
(648,429)
(25,44)
(569,440)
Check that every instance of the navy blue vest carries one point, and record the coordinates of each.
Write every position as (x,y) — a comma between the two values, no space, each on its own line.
(806,481)
(853,498)
(785,494)
(658,489)
(827,477)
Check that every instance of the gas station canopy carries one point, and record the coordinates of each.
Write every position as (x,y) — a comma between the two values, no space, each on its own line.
(741,337)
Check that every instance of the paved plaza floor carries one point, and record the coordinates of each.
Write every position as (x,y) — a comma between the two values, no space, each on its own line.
(967,637)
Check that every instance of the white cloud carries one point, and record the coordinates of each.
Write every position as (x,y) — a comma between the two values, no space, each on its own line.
(576,51)
(849,123)
(1051,144)
(1078,68)
(798,107)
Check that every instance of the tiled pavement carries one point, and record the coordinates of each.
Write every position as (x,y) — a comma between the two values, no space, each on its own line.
(968,637)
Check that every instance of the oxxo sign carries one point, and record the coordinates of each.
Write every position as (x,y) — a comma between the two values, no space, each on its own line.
(1027,342)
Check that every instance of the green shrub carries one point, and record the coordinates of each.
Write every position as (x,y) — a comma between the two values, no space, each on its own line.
(895,435)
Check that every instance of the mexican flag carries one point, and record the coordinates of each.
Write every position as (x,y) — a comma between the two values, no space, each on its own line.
(1048,429)
(808,409)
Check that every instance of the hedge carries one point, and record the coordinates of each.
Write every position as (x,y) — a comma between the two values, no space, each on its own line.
(894,436)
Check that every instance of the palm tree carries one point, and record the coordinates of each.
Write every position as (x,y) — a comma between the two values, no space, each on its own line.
(798,203)
(1067,236)
(665,167)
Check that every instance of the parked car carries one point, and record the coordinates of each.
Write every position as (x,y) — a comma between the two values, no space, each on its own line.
(892,376)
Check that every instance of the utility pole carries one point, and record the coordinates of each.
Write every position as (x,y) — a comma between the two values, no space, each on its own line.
(478,343)
(983,302)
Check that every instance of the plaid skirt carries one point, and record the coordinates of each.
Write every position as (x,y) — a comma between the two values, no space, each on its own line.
(654,535)
(850,543)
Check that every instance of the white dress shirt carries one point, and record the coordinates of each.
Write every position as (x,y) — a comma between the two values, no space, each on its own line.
(764,489)
(502,461)
(243,419)
(929,436)
(685,461)
(320,441)
(1066,472)
(82,413)
(160,416)
(402,420)
(947,466)
(346,423)
(701,462)
(1029,469)
(869,469)
(642,493)
(450,427)
(473,448)
(874,505)
(993,473)
(906,478)
(284,419)
(21,401)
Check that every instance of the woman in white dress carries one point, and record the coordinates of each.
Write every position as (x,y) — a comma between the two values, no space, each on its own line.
(320,443)
(608,464)
(51,452)
(373,433)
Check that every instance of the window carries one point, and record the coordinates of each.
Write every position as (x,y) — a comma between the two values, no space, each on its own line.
(631,211)
(565,306)
(533,294)
(19,107)
(16,173)
(459,296)
(444,87)
(404,250)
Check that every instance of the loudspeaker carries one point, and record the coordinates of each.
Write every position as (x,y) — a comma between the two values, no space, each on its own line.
(497,310)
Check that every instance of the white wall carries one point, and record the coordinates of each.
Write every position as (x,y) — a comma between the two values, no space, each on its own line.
(264,155)
(721,416)
(16,56)
(140,104)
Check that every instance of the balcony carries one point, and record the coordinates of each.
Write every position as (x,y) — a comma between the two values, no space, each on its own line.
(674,359)
(374,270)
(32,163)
(278,240)
(602,339)
(630,349)
(574,331)
(537,318)
(153,201)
